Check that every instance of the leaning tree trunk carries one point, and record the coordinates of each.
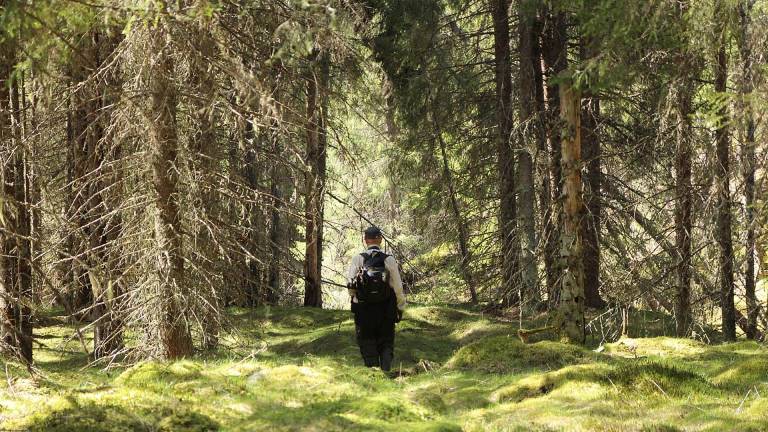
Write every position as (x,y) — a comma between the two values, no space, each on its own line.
(317,111)
(505,157)
(174,337)
(530,135)
(722,172)
(555,59)
(571,307)
(749,161)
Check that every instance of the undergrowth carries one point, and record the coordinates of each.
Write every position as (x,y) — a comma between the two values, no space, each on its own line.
(299,369)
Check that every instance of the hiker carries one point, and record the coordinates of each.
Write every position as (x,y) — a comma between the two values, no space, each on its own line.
(377,301)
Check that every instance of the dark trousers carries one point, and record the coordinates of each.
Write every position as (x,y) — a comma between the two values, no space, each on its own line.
(375,332)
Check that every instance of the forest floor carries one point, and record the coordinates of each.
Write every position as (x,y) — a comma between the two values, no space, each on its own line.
(299,369)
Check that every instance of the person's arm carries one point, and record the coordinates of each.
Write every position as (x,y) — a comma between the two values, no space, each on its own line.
(395,281)
(354,268)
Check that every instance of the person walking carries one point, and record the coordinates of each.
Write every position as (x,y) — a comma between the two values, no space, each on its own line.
(378,300)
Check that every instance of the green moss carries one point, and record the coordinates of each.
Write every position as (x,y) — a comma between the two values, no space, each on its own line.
(660,428)
(89,418)
(506,354)
(743,373)
(187,421)
(153,373)
(541,384)
(387,408)
(657,346)
(299,369)
(438,315)
(660,377)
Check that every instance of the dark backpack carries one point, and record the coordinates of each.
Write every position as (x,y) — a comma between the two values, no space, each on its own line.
(372,282)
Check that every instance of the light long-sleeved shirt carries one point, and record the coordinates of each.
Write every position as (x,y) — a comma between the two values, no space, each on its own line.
(395,282)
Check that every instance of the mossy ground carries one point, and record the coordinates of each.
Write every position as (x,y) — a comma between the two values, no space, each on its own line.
(298,369)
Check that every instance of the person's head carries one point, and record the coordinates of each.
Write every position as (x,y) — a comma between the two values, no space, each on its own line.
(372,236)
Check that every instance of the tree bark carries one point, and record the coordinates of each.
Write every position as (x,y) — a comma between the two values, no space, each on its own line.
(571,307)
(682,92)
(530,138)
(555,59)
(92,212)
(251,173)
(461,225)
(15,263)
(84,134)
(683,208)
(317,110)
(204,164)
(276,230)
(749,161)
(591,154)
(505,156)
(174,337)
(722,172)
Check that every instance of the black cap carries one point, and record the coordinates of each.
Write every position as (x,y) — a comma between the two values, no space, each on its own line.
(372,232)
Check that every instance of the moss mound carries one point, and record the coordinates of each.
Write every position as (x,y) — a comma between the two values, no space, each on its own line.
(654,377)
(387,408)
(744,373)
(437,315)
(90,418)
(153,373)
(660,428)
(657,346)
(187,421)
(506,354)
(542,384)
(304,318)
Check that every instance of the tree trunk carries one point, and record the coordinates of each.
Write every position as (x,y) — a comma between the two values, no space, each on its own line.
(683,208)
(107,254)
(571,307)
(554,55)
(317,110)
(202,145)
(506,161)
(96,227)
(461,225)
(255,226)
(530,138)
(83,135)
(15,270)
(722,172)
(682,92)
(276,230)
(749,161)
(174,337)
(591,153)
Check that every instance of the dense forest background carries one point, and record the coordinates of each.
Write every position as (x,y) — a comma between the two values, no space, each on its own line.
(165,160)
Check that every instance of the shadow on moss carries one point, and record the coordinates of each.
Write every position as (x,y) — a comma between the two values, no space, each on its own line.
(90,418)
